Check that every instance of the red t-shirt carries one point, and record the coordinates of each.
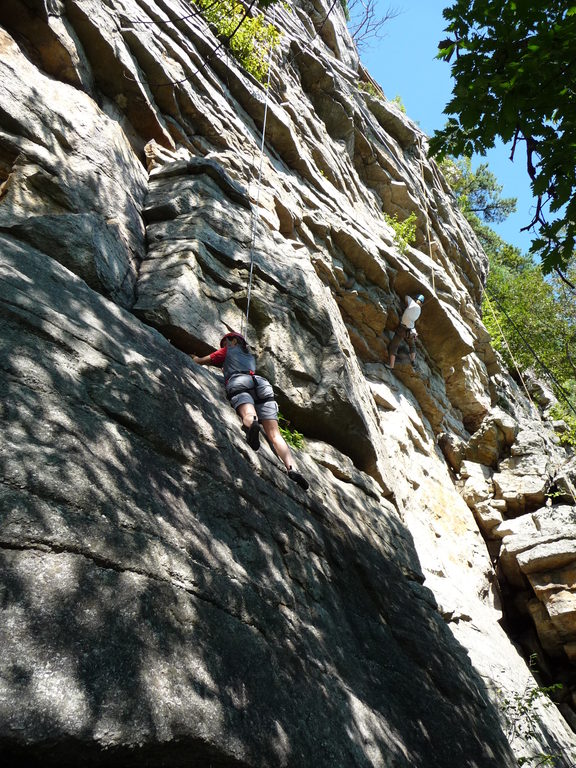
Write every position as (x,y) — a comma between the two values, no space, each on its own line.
(217,358)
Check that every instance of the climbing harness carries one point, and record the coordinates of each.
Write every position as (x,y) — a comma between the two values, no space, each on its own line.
(234,388)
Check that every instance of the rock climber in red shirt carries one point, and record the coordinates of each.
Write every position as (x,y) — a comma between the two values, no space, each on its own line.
(252,397)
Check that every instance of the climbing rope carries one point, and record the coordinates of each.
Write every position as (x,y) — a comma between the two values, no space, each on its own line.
(569,485)
(505,340)
(198,12)
(428,238)
(255,215)
(255,207)
(559,388)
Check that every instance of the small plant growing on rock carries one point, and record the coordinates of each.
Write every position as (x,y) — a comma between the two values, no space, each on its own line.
(367,87)
(560,412)
(398,101)
(292,436)
(250,38)
(404,231)
(522,721)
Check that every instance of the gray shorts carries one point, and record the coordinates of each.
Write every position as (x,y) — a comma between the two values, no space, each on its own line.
(244,388)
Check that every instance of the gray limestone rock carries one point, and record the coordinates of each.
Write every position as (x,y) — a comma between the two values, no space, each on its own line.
(173,613)
(496,433)
(70,181)
(565,481)
(170,597)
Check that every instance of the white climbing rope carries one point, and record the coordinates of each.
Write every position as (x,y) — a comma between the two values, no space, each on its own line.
(255,207)
(428,238)
(491,308)
(569,485)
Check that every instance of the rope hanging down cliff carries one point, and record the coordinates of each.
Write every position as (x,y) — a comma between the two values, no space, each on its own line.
(559,388)
(429,240)
(255,207)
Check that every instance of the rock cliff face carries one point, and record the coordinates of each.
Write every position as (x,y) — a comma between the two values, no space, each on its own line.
(169,597)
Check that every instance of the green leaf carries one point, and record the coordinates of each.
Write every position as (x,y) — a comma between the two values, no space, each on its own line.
(512,74)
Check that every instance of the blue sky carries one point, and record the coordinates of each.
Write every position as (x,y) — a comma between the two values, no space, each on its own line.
(403,63)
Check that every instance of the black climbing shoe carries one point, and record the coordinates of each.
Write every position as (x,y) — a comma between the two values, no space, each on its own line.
(298,478)
(253,435)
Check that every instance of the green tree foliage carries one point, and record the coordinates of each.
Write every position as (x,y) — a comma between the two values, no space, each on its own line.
(250,38)
(531,317)
(478,192)
(524,316)
(404,231)
(523,721)
(514,66)
(479,198)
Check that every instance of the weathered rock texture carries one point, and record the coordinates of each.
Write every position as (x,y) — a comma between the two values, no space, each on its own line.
(169,597)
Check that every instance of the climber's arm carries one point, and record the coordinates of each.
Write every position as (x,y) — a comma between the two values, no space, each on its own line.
(206,360)
(214,358)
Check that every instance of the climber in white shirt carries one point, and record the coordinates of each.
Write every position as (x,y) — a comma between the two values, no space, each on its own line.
(406,330)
